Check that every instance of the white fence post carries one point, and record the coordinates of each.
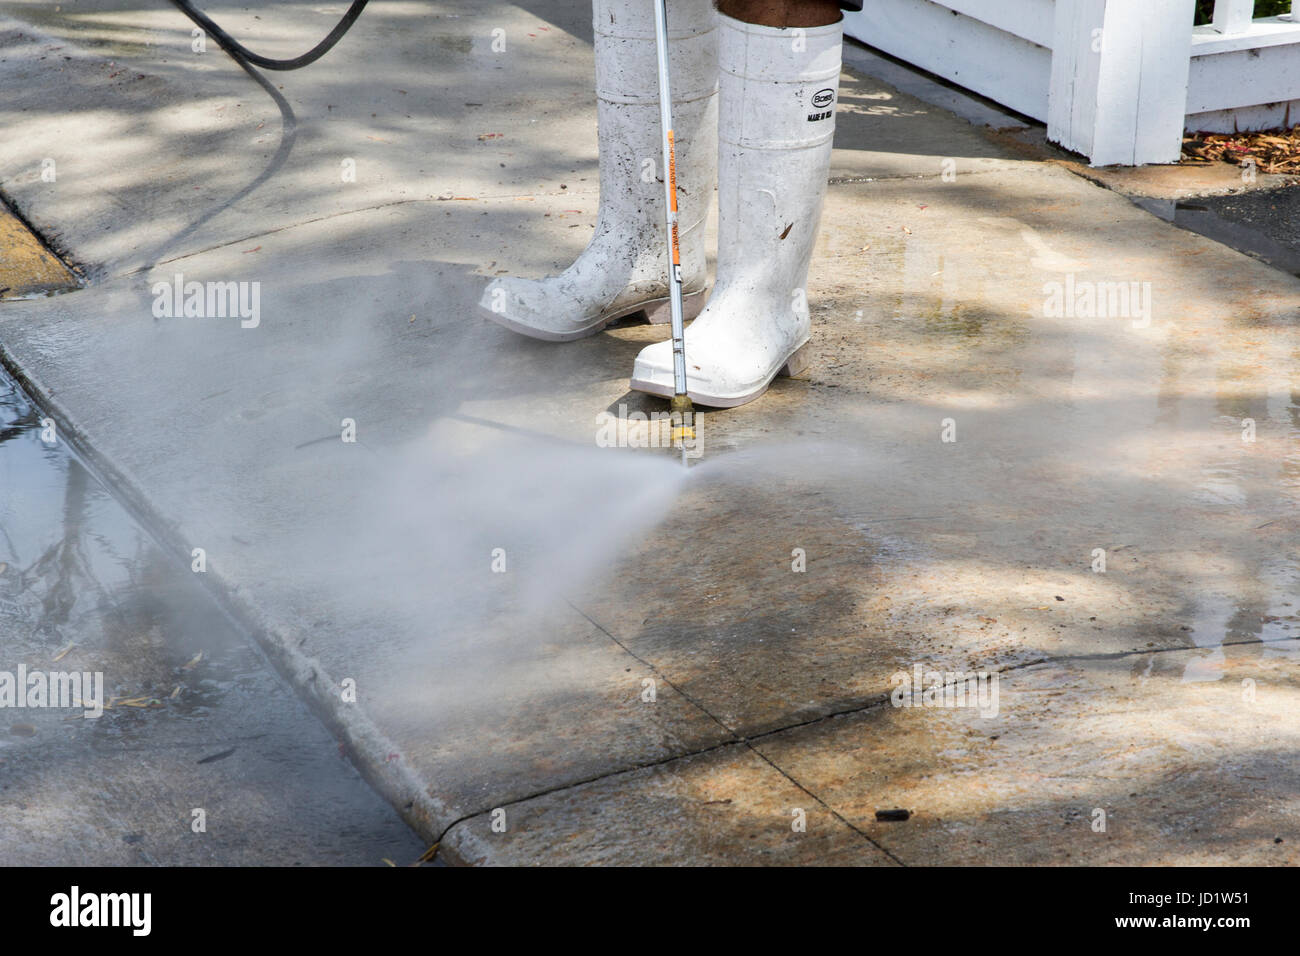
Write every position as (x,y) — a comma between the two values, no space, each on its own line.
(1233,16)
(1119,79)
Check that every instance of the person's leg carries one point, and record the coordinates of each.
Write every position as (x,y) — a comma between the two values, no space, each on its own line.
(624,269)
(779,79)
(782,13)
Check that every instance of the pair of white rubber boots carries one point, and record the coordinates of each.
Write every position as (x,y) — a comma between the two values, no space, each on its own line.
(775,93)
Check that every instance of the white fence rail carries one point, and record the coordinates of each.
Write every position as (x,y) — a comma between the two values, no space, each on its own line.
(1116,80)
(1233,16)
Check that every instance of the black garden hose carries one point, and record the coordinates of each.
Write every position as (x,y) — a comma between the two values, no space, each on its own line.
(241,52)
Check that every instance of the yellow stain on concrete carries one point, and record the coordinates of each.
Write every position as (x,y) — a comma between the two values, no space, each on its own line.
(26,266)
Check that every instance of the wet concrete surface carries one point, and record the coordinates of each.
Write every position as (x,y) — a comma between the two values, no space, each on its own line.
(1091,761)
(194,718)
(1221,219)
(1274,213)
(640,683)
(1147,759)
(1242,208)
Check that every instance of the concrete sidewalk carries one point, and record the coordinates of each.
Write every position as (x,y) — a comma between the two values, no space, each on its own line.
(643,685)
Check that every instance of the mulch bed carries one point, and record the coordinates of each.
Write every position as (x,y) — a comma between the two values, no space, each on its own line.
(1274,151)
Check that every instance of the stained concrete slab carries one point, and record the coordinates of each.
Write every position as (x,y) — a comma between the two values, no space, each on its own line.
(728,807)
(1182,758)
(1072,435)
(1044,780)
(622,636)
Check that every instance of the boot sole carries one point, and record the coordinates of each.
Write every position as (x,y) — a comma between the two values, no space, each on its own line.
(658,312)
(794,366)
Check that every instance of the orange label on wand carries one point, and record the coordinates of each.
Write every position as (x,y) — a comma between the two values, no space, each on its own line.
(672,171)
(672,199)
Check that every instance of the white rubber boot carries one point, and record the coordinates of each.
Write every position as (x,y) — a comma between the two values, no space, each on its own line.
(625,267)
(777,103)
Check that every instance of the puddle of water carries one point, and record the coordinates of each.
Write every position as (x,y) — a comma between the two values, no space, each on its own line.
(1201,219)
(83,589)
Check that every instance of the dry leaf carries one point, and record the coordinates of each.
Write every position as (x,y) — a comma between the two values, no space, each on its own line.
(1273,151)
(144,700)
(429,854)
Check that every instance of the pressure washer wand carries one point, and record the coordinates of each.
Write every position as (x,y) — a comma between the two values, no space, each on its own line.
(681,402)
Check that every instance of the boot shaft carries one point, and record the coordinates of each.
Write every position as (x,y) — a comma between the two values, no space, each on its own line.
(780,87)
(630,133)
(627,69)
(777,99)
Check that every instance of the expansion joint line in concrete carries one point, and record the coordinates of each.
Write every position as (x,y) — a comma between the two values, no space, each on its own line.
(735,739)
(268,232)
(903,177)
(289,661)
(1141,652)
(738,738)
(334,215)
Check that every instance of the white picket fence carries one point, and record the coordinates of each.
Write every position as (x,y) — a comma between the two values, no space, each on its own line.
(1116,80)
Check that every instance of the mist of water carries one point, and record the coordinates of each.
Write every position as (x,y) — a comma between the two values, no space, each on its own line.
(519,523)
